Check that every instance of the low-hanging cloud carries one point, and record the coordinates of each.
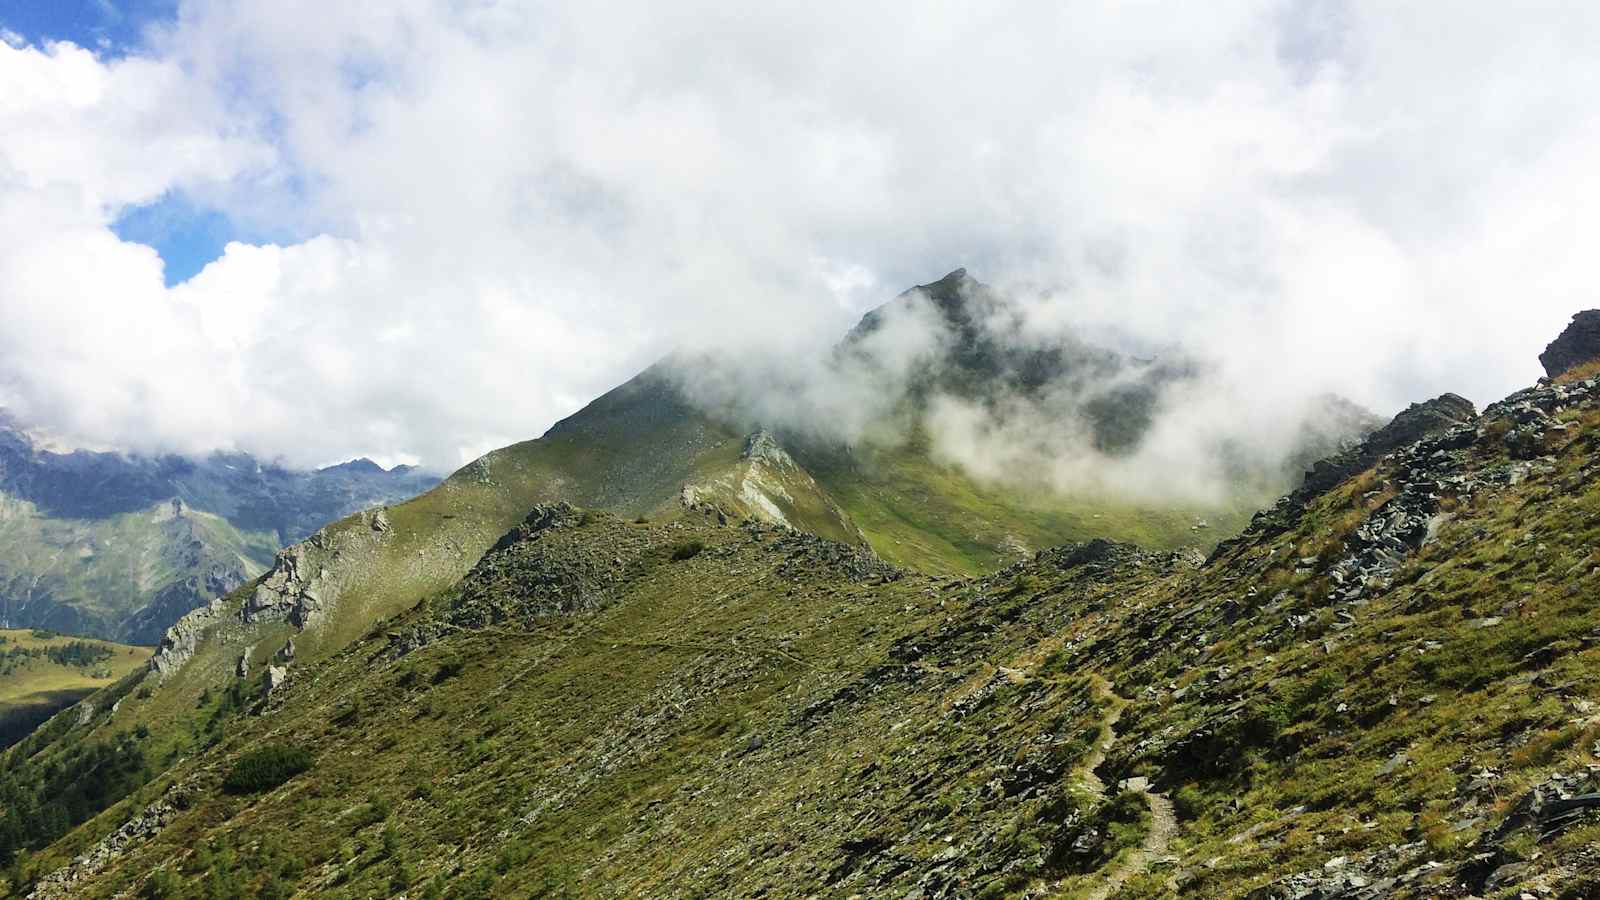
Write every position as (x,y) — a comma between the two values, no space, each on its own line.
(1027,403)
(503,207)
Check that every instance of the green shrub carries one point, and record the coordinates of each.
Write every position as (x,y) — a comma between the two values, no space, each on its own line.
(687,550)
(370,813)
(448,669)
(1188,803)
(266,768)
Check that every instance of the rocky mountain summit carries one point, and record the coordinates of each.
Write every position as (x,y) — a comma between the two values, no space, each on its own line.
(986,351)
(1389,686)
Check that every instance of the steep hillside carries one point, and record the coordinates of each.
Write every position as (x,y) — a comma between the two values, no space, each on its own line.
(1386,687)
(42,672)
(122,546)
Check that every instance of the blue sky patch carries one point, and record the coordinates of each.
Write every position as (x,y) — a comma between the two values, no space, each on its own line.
(110,27)
(187,237)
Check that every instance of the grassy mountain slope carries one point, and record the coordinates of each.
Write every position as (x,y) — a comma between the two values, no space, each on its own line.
(933,517)
(42,672)
(1390,690)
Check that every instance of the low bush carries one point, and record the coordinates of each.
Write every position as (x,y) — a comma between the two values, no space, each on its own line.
(687,550)
(266,768)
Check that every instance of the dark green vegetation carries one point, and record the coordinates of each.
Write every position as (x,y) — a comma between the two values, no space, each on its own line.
(43,801)
(265,768)
(592,709)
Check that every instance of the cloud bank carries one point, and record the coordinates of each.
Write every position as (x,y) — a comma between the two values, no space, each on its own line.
(494,211)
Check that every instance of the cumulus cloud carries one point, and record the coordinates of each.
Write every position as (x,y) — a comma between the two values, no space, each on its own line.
(499,208)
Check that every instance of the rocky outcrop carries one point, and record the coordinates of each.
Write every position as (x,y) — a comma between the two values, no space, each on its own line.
(298,589)
(1414,423)
(763,446)
(769,485)
(806,557)
(1446,412)
(524,577)
(542,517)
(290,592)
(1578,344)
(178,645)
(277,676)
(1423,473)
(65,881)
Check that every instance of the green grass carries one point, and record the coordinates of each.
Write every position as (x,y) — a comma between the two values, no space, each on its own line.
(581,728)
(935,518)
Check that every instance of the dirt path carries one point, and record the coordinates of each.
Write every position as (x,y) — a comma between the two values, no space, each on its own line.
(1108,738)
(1163,825)
(1163,822)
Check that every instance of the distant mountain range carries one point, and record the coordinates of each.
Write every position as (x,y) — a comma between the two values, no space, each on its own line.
(120,546)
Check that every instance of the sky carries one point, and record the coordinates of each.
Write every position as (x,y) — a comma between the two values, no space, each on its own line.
(419,230)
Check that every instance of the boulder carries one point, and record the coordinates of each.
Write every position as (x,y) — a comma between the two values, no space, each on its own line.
(276,676)
(1578,344)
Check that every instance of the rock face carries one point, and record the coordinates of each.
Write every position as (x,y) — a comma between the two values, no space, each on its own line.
(298,589)
(769,485)
(1578,344)
(276,677)
(288,593)
(179,643)
(1445,413)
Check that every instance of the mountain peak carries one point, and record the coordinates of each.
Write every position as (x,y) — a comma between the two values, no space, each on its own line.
(360,464)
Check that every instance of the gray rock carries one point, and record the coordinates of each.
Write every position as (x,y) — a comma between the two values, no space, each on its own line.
(1577,344)
(63,881)
(178,645)
(276,677)
(1393,765)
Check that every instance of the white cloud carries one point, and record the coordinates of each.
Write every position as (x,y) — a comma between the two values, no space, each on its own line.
(515,205)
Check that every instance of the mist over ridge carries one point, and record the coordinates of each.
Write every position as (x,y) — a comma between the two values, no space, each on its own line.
(993,383)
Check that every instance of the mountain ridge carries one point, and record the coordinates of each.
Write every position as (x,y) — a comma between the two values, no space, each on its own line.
(628,700)
(1368,703)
